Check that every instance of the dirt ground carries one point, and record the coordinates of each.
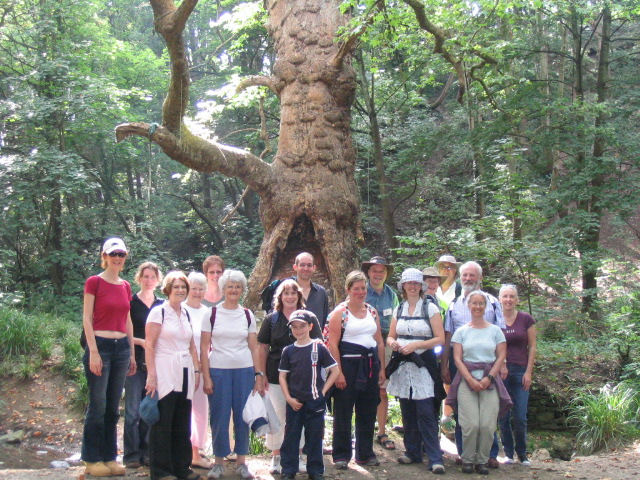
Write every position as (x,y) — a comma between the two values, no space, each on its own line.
(52,432)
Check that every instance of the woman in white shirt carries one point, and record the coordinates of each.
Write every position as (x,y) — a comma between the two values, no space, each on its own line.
(199,313)
(355,341)
(234,372)
(415,330)
(173,374)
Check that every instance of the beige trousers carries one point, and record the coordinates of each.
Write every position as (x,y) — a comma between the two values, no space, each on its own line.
(478,415)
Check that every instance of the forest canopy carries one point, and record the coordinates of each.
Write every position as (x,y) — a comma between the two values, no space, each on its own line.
(504,132)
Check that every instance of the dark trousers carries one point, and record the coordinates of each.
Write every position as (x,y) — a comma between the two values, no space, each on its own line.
(170,438)
(365,402)
(99,438)
(311,418)
(420,421)
(495,447)
(136,431)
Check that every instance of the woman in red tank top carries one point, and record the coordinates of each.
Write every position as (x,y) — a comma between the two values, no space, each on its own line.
(108,358)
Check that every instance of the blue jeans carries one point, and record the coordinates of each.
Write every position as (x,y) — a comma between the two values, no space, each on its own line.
(420,421)
(99,438)
(520,398)
(231,387)
(311,417)
(136,431)
(495,447)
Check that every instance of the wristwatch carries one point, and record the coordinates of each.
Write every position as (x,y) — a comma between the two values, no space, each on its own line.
(491,378)
(258,374)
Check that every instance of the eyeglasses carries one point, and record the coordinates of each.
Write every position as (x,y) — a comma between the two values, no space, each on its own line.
(447,267)
(117,254)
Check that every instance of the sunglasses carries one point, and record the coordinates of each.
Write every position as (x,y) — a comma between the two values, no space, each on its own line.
(117,254)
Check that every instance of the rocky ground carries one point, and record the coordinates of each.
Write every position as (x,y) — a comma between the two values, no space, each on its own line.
(51,431)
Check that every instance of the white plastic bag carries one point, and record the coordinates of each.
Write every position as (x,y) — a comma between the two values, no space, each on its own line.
(260,415)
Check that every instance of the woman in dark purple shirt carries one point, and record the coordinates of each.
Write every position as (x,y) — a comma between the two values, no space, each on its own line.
(521,353)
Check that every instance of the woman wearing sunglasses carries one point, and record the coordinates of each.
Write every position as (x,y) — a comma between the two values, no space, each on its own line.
(108,358)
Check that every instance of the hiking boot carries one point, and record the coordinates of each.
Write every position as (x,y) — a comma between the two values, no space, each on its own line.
(341,464)
(467,467)
(216,471)
(493,463)
(97,469)
(244,472)
(482,468)
(115,468)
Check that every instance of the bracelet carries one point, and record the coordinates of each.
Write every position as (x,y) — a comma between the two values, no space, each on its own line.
(197,371)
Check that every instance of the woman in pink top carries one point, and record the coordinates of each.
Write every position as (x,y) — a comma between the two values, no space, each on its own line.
(108,358)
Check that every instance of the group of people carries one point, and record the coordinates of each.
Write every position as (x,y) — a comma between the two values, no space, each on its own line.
(199,353)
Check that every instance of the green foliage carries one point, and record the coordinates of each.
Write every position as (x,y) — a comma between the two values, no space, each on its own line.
(608,419)
(21,334)
(257,445)
(27,340)
(394,415)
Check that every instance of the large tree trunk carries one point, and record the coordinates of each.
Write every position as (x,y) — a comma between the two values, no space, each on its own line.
(312,175)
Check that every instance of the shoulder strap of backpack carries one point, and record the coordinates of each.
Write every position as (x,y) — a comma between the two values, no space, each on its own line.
(213,317)
(162,310)
(425,310)
(248,315)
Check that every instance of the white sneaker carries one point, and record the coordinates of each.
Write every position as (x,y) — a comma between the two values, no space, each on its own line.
(216,472)
(302,465)
(244,472)
(525,462)
(275,465)
(508,461)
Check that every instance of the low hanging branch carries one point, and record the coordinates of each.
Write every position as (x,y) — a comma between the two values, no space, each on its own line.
(173,136)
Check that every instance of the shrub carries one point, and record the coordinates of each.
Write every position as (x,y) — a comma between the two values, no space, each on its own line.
(18,334)
(607,419)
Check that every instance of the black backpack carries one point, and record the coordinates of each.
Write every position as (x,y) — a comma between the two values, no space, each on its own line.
(267,294)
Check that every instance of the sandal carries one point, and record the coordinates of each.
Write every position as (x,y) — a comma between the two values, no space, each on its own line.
(387,444)
(202,463)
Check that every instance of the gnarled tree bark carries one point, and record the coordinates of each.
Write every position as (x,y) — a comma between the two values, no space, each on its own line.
(312,175)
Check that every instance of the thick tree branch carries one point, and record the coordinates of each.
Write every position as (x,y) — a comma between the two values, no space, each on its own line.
(440,36)
(443,93)
(202,155)
(261,81)
(169,22)
(350,42)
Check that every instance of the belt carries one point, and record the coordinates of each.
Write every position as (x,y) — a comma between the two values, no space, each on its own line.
(413,337)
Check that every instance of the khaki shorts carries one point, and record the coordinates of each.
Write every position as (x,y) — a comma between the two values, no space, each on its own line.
(387,357)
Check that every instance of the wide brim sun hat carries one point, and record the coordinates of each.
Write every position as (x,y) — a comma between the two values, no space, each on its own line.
(376,261)
(433,272)
(412,275)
